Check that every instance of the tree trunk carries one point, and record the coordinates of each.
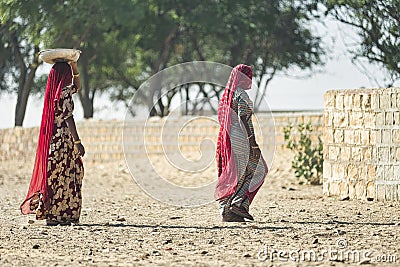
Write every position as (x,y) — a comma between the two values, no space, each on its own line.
(22,99)
(84,94)
(157,66)
(262,91)
(25,84)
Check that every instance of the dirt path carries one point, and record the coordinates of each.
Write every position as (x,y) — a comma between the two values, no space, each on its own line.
(122,226)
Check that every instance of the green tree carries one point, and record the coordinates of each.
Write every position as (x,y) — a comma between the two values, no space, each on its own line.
(126,42)
(273,36)
(91,26)
(377,23)
(21,32)
(150,50)
(155,45)
(96,27)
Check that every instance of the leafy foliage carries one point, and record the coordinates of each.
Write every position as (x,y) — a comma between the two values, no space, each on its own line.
(272,36)
(125,42)
(21,33)
(378,25)
(308,159)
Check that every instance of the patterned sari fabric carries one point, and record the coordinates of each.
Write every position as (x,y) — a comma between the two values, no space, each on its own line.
(65,168)
(55,194)
(64,171)
(243,173)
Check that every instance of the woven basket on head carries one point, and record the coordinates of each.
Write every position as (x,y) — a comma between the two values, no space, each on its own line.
(52,56)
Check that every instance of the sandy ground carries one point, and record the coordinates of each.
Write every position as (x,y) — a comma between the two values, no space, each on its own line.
(123,226)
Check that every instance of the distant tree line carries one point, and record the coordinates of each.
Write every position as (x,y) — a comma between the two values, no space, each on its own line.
(125,42)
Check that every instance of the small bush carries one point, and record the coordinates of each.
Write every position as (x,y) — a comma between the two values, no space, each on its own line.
(308,159)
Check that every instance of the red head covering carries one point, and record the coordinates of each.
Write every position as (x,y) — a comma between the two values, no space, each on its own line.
(60,76)
(241,76)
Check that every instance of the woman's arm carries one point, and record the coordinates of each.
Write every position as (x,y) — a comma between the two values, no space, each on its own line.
(252,139)
(70,121)
(250,136)
(72,128)
(75,73)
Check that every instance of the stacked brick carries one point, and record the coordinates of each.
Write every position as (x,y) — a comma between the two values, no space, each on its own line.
(362,144)
(103,140)
(18,143)
(282,120)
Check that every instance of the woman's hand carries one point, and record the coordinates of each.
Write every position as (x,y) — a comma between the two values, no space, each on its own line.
(252,141)
(74,66)
(256,151)
(81,149)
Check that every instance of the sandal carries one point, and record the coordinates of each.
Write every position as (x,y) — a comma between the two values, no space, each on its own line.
(241,212)
(231,217)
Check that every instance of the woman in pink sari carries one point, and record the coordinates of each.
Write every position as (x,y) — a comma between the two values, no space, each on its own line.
(241,167)
(55,189)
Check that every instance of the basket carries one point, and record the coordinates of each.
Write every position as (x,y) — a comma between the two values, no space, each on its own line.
(52,56)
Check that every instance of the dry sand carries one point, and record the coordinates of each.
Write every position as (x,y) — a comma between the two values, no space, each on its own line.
(122,226)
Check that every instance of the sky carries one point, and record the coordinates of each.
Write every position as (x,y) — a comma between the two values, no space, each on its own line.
(284,92)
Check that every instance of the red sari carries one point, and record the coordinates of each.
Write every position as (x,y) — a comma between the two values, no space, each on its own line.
(55,187)
(240,173)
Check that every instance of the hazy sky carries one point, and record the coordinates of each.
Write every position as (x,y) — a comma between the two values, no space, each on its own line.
(284,93)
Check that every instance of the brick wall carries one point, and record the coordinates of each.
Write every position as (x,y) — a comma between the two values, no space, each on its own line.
(362,144)
(103,139)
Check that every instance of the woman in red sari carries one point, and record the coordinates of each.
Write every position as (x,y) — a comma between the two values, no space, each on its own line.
(55,189)
(241,167)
